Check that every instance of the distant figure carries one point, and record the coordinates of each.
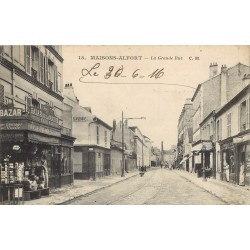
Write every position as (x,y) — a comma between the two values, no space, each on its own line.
(227,171)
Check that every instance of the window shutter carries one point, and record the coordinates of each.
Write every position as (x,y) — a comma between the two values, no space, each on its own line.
(41,67)
(1,94)
(46,70)
(56,79)
(28,59)
(248,114)
(239,118)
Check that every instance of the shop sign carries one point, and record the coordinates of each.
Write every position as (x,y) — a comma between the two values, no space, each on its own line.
(12,125)
(10,112)
(44,114)
(43,129)
(83,119)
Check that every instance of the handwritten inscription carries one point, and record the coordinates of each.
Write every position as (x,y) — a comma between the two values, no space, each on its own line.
(118,72)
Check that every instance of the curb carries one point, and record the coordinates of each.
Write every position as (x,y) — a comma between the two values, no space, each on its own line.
(94,191)
(228,185)
(208,191)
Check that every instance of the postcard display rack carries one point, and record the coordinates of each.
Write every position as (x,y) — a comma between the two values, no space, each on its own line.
(11,189)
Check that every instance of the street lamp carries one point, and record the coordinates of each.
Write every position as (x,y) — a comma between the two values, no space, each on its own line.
(203,149)
(123,155)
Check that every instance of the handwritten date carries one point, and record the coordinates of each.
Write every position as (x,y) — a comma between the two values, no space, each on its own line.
(119,72)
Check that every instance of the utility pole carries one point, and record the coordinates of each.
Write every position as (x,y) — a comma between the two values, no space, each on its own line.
(123,154)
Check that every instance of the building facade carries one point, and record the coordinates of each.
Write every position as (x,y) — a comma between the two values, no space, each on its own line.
(211,95)
(92,145)
(233,138)
(35,133)
(129,144)
(184,135)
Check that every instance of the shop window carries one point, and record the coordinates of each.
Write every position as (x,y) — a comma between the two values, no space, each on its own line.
(65,161)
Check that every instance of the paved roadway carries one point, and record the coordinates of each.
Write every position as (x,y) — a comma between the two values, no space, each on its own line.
(156,187)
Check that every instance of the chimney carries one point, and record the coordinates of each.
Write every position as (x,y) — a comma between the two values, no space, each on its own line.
(223,85)
(213,70)
(114,125)
(68,91)
(223,68)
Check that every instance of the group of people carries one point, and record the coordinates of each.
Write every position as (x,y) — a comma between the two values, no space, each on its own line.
(242,173)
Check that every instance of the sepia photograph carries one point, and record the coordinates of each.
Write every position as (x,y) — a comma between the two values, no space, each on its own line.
(124,125)
(140,105)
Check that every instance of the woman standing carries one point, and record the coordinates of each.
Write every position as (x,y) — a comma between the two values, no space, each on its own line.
(227,171)
(242,174)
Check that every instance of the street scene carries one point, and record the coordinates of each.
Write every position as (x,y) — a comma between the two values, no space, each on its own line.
(124,125)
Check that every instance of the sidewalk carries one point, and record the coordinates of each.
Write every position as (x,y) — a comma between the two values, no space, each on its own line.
(80,188)
(230,193)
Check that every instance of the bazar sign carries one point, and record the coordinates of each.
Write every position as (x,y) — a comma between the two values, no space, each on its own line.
(10,112)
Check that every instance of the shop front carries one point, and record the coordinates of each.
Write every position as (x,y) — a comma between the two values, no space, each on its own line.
(91,162)
(242,158)
(203,158)
(227,157)
(33,151)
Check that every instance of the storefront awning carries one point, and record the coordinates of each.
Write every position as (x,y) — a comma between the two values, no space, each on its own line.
(205,146)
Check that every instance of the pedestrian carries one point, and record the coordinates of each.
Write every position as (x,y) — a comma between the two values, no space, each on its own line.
(242,174)
(227,171)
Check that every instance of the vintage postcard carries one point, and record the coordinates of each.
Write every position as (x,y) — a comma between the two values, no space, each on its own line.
(124,125)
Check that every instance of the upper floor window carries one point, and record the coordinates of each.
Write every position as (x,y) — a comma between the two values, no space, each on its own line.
(97,135)
(106,138)
(243,116)
(41,68)
(229,124)
(219,129)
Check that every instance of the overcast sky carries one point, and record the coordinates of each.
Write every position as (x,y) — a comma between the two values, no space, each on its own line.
(160,104)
